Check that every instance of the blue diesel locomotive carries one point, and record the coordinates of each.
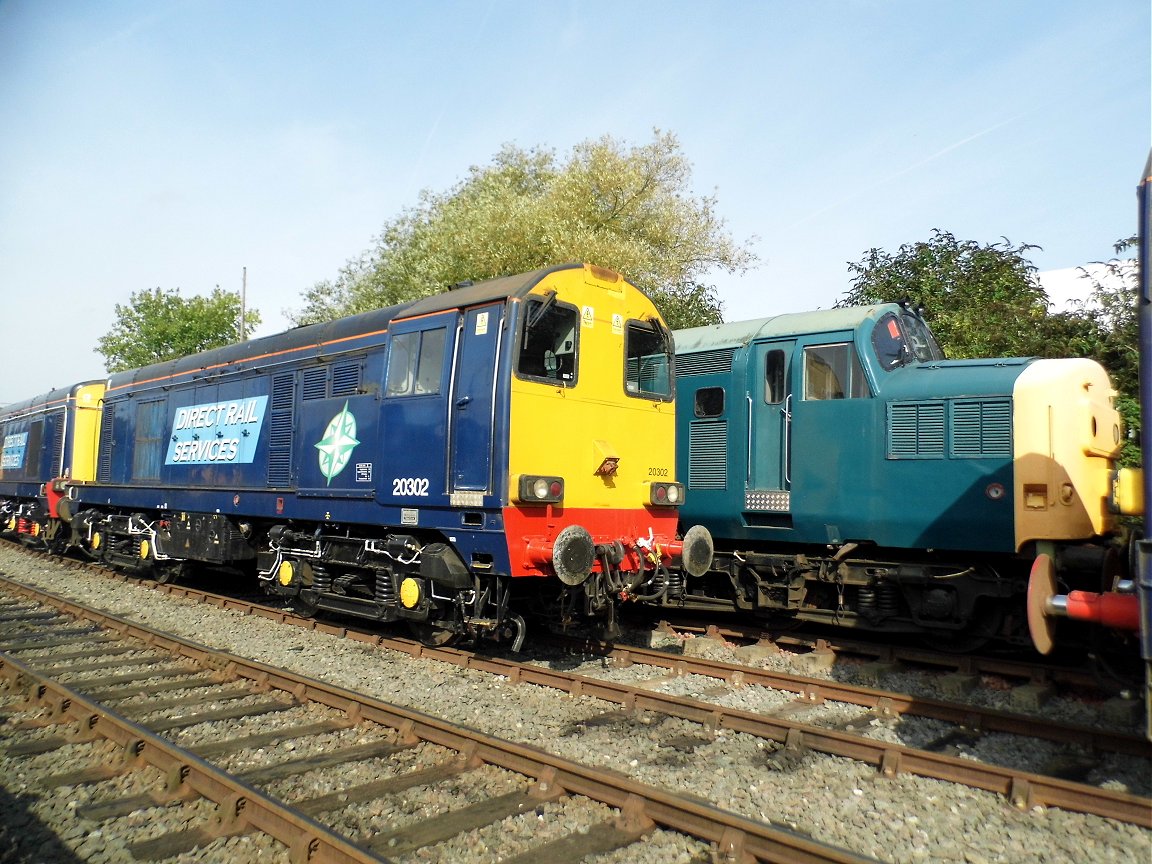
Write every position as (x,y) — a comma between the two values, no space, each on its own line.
(851,475)
(446,461)
(47,441)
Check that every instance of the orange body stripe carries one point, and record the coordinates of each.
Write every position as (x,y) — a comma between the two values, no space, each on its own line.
(310,347)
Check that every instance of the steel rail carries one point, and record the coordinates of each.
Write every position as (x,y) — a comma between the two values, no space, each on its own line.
(1023,789)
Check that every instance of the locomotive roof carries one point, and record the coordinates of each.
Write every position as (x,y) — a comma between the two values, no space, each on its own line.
(481,292)
(44,401)
(712,337)
(318,335)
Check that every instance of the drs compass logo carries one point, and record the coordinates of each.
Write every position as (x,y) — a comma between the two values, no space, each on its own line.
(337,444)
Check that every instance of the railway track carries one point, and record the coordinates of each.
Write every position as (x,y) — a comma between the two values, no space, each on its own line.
(809,691)
(938,759)
(1047,673)
(974,719)
(117,707)
(808,715)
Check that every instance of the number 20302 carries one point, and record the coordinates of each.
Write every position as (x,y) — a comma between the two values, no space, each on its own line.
(410,486)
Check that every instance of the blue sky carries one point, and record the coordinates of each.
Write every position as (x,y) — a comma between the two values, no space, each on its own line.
(171,144)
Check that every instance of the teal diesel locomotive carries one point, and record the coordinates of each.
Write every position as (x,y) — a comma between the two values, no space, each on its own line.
(850,474)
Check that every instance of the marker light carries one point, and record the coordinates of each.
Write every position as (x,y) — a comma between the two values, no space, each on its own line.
(666,494)
(540,490)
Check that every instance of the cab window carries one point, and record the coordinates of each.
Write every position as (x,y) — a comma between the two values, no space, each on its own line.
(548,343)
(709,401)
(889,343)
(900,340)
(648,360)
(923,344)
(416,363)
(833,372)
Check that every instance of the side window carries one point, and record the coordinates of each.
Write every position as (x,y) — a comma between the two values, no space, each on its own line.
(431,363)
(148,449)
(415,363)
(709,401)
(548,348)
(833,372)
(648,362)
(402,354)
(774,368)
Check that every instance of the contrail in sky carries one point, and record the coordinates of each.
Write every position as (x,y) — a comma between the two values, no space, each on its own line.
(914,166)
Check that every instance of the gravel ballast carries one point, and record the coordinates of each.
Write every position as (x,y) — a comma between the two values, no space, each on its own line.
(834,800)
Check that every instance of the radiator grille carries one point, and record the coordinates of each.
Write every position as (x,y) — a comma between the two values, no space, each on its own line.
(280,431)
(982,428)
(58,444)
(104,463)
(346,380)
(708,455)
(314,384)
(960,429)
(704,363)
(916,430)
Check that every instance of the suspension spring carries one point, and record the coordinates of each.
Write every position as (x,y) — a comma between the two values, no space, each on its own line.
(384,590)
(887,598)
(321,578)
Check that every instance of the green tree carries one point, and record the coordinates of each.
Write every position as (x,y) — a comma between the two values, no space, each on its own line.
(162,325)
(1111,309)
(1110,315)
(981,300)
(624,208)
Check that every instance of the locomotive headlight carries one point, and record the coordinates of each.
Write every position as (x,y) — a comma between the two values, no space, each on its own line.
(540,490)
(666,494)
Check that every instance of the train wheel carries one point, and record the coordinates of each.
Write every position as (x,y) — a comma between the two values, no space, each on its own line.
(986,624)
(306,603)
(170,572)
(432,635)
